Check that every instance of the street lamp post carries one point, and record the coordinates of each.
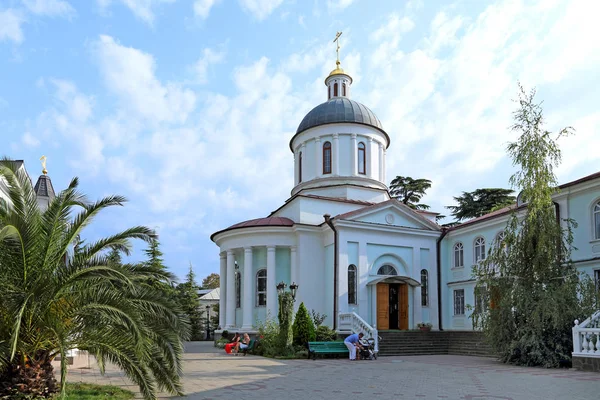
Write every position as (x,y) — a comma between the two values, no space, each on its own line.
(207,322)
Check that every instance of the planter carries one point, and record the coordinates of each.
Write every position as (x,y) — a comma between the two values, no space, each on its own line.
(425,328)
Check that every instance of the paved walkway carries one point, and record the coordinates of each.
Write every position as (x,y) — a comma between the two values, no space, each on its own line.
(212,374)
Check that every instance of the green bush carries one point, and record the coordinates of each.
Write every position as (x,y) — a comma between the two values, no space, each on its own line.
(325,334)
(221,343)
(304,330)
(268,339)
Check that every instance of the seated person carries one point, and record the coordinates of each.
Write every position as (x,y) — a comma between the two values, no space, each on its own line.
(243,344)
(233,344)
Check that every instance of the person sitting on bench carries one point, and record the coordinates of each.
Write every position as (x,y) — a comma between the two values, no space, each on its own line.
(352,342)
(243,344)
(233,344)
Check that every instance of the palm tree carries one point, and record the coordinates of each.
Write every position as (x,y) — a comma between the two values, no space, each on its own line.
(58,294)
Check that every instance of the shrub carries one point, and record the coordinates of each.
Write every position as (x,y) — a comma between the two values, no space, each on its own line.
(304,330)
(221,343)
(324,334)
(269,340)
(318,318)
(225,334)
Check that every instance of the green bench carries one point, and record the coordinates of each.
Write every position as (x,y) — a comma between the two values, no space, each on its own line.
(250,347)
(315,348)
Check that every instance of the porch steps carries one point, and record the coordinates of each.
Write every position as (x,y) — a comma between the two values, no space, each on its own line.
(401,343)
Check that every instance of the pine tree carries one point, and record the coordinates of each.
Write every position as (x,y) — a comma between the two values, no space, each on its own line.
(304,329)
(533,289)
(189,301)
(410,191)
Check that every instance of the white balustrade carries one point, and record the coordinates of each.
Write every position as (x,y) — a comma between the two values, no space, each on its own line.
(586,337)
(352,322)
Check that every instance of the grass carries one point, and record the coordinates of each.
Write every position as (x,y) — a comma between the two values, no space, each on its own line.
(87,391)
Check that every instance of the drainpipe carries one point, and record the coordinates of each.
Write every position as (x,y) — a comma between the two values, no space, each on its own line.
(328,220)
(439,275)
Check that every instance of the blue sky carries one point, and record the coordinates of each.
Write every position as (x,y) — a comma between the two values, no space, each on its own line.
(187,107)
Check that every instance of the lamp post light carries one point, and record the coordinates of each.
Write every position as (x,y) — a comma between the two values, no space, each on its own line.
(281,287)
(293,289)
(208,322)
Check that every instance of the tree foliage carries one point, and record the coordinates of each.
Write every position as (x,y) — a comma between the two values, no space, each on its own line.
(304,329)
(533,290)
(480,202)
(410,191)
(189,301)
(212,281)
(285,317)
(58,293)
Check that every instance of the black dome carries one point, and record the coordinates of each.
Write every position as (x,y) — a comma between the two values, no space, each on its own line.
(339,109)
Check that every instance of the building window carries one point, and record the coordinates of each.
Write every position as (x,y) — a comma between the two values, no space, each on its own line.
(479,249)
(424,288)
(362,159)
(386,270)
(238,290)
(343,89)
(459,256)
(482,299)
(335,89)
(352,284)
(300,168)
(459,302)
(261,288)
(326,158)
(597,221)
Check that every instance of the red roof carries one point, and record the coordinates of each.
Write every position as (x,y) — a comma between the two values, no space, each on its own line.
(258,222)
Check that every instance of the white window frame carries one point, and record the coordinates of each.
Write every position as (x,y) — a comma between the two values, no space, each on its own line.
(460,249)
(388,265)
(259,292)
(352,284)
(596,220)
(424,288)
(459,302)
(479,247)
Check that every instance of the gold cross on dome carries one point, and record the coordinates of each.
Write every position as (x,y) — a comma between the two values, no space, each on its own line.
(337,50)
(43,160)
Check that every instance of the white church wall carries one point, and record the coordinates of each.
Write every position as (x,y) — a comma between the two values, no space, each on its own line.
(259,261)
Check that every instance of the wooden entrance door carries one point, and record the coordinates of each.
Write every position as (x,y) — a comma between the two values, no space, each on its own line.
(403,303)
(383,306)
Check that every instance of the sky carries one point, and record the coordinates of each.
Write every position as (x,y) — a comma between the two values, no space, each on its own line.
(187,107)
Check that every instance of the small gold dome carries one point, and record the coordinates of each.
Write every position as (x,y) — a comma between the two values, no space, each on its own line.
(338,71)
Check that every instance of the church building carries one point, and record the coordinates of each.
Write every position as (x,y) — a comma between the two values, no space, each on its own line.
(354,250)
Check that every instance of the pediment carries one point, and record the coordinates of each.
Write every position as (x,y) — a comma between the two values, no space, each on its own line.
(391,213)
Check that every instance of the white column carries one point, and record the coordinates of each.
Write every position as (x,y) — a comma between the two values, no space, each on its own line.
(369,157)
(230,315)
(248,305)
(305,172)
(293,265)
(271,285)
(383,180)
(354,154)
(318,157)
(336,155)
(296,168)
(223,289)
(381,163)
(416,274)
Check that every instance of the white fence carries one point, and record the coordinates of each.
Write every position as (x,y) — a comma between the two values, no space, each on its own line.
(352,322)
(586,337)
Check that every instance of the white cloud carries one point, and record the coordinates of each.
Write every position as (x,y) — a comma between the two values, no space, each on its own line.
(10,25)
(52,8)
(337,5)
(130,74)
(202,7)
(143,9)
(261,9)
(208,58)
(29,140)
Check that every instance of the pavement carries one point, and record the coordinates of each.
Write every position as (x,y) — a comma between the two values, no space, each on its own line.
(209,373)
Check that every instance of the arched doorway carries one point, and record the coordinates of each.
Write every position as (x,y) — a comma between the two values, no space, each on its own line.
(392,300)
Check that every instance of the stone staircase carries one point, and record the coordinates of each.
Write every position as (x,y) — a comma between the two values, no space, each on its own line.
(403,343)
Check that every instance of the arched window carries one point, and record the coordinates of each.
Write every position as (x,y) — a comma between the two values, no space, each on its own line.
(261,288)
(300,168)
(597,221)
(238,290)
(386,270)
(459,256)
(352,284)
(500,241)
(335,89)
(326,158)
(362,159)
(479,249)
(424,288)
(343,89)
